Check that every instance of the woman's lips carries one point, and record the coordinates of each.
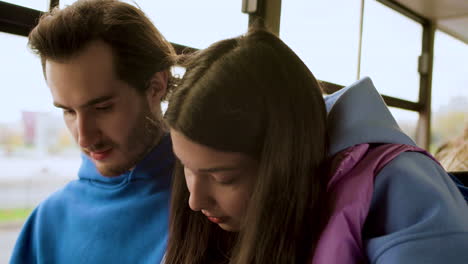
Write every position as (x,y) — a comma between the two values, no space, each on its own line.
(216,220)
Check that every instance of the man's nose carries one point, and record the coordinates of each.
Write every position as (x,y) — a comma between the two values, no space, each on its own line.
(87,131)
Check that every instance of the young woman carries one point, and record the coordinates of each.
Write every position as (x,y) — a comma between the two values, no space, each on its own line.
(270,172)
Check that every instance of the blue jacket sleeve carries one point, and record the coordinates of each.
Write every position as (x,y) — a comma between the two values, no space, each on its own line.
(417,215)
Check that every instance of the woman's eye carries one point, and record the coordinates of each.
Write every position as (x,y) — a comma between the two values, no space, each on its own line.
(226,180)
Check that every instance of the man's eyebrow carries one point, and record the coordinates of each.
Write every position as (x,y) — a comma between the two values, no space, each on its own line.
(60,105)
(97,100)
(89,103)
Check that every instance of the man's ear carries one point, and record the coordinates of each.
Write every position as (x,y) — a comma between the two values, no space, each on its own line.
(157,89)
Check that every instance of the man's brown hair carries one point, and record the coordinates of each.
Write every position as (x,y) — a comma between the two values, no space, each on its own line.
(139,48)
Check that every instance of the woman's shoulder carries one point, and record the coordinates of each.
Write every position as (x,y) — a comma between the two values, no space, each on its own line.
(417,214)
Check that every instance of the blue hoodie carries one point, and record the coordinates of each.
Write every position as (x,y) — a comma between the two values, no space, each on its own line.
(96,219)
(417,214)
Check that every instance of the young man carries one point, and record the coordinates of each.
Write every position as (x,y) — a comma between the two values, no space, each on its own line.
(107,67)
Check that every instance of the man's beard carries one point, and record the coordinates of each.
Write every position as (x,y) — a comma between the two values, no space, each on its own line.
(143,137)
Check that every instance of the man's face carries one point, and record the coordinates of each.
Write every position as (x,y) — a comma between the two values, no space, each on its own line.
(107,117)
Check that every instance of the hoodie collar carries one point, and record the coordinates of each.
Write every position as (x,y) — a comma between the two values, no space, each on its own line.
(157,160)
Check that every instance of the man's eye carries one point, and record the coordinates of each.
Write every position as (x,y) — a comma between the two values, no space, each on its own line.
(68,112)
(103,107)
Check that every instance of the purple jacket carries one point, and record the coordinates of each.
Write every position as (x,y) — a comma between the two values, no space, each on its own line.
(351,186)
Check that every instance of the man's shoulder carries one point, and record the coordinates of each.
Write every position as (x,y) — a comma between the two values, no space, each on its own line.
(60,198)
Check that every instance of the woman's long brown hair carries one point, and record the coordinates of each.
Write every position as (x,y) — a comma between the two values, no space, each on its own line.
(253,95)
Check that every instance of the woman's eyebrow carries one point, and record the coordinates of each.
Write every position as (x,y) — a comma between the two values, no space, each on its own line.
(217,169)
(211,169)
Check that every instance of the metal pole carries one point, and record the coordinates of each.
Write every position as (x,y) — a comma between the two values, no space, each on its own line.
(361,26)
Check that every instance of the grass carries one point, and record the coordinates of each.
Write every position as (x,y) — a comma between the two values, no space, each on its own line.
(17,214)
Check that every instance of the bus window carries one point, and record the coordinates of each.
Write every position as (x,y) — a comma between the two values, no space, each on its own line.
(37,154)
(324,36)
(407,120)
(193,23)
(41,5)
(391,45)
(449,89)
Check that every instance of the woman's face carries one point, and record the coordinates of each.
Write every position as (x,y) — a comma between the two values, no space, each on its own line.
(220,183)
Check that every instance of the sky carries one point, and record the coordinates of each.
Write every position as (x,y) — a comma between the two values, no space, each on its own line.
(325,34)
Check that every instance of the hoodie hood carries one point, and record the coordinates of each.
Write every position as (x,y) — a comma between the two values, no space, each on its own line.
(357,114)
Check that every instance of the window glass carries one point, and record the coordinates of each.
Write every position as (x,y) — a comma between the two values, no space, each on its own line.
(407,120)
(325,37)
(194,23)
(41,5)
(37,154)
(449,89)
(391,45)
